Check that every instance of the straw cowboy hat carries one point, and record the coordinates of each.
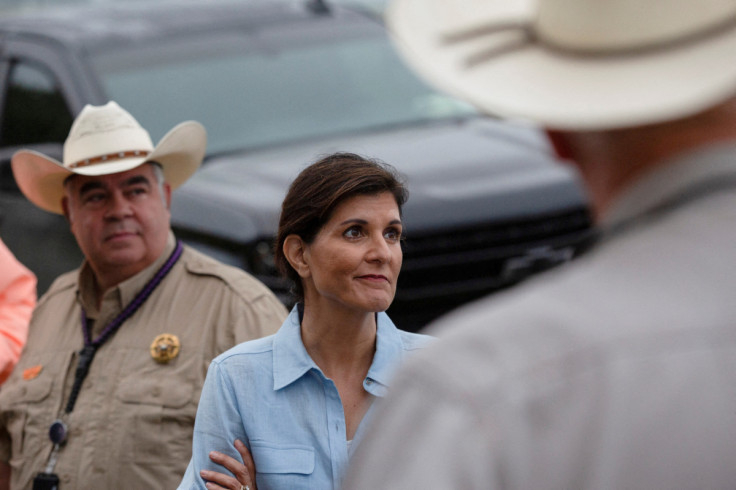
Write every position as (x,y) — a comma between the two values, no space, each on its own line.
(574,64)
(106,140)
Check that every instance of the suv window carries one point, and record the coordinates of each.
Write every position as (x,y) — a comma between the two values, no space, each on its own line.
(273,87)
(35,110)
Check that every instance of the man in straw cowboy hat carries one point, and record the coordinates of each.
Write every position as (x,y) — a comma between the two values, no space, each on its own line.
(106,390)
(618,370)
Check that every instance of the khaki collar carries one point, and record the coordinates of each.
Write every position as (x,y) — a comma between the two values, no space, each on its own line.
(123,293)
(703,169)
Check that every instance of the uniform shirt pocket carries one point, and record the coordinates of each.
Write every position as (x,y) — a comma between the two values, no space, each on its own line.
(156,419)
(27,418)
(30,391)
(155,392)
(26,411)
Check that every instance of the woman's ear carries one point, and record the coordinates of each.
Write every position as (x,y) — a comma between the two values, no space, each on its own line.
(296,253)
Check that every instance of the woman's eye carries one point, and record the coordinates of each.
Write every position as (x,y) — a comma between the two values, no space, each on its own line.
(353,232)
(392,234)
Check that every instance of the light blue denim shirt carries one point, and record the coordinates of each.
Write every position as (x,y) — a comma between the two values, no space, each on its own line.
(272,396)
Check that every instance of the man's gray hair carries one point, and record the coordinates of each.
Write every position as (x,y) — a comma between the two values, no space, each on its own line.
(158,171)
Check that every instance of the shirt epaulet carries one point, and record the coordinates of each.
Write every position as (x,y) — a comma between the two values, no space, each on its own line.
(240,281)
(62,283)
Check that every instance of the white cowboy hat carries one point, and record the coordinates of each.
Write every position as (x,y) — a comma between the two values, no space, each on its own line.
(574,64)
(106,140)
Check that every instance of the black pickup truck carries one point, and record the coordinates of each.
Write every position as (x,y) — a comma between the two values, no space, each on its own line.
(277,84)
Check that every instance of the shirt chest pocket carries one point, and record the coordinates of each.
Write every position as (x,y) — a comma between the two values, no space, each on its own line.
(155,391)
(283,466)
(28,413)
(29,392)
(156,417)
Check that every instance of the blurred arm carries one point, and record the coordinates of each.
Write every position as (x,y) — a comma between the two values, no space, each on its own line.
(17,300)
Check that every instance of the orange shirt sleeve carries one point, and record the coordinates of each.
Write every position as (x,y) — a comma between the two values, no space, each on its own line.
(17,300)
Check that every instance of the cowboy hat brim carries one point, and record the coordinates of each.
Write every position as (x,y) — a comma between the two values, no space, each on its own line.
(41,179)
(563,90)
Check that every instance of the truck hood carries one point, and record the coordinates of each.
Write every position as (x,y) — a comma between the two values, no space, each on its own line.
(458,172)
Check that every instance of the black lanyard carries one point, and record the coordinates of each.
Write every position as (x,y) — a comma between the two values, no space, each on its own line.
(57,431)
(90,346)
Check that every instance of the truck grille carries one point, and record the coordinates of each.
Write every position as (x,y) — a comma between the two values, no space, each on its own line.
(446,269)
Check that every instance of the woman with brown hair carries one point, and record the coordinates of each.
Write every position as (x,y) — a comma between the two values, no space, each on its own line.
(299,400)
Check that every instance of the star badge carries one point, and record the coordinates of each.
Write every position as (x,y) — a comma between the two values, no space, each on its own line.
(165,347)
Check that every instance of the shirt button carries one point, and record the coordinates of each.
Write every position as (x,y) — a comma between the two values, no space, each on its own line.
(66,478)
(156,391)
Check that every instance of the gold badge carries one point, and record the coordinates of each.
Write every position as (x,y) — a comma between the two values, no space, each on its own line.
(165,347)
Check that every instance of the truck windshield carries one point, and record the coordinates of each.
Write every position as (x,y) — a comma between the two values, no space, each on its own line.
(252,90)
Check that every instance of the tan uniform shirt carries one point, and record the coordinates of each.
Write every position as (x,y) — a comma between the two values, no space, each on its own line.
(132,423)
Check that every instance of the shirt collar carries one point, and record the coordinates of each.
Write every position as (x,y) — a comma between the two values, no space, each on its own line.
(124,292)
(291,360)
(389,352)
(664,186)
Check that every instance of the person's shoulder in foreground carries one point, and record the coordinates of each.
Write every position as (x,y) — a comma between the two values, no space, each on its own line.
(573,382)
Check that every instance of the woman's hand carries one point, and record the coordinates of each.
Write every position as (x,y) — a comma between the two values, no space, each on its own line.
(244,472)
